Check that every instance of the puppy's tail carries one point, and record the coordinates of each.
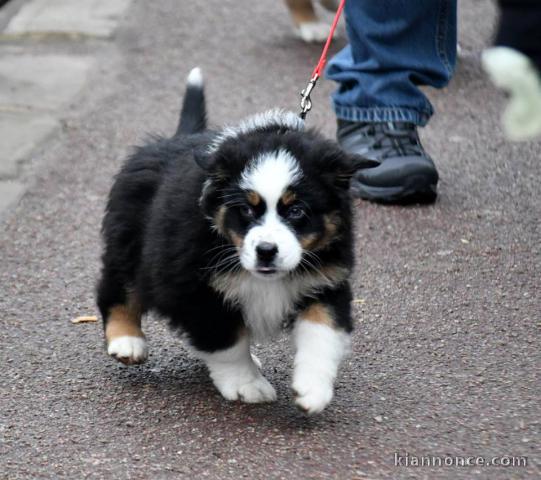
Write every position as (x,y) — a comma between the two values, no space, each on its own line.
(193,116)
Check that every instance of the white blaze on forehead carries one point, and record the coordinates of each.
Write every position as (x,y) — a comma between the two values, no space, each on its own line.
(272,118)
(270,175)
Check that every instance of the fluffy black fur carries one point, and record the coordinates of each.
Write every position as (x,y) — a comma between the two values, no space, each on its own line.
(162,244)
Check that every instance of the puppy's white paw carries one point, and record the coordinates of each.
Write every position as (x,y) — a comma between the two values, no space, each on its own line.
(313,31)
(254,390)
(312,394)
(257,391)
(128,350)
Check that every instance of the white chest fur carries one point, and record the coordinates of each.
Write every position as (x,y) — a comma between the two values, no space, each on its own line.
(267,303)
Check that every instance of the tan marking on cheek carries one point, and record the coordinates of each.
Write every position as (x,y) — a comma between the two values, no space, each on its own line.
(237,240)
(253,198)
(312,241)
(124,320)
(318,313)
(219,219)
(308,242)
(331,221)
(288,197)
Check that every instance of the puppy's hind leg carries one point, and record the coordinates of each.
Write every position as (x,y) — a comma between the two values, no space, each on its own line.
(236,375)
(122,323)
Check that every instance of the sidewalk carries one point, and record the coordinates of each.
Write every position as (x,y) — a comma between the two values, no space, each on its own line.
(446,351)
(43,72)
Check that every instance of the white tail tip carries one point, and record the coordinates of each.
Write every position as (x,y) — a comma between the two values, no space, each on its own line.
(195,77)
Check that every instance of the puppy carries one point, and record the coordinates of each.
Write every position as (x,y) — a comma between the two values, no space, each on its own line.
(232,236)
(308,26)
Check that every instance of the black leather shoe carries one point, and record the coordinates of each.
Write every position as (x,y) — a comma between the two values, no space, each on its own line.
(406,174)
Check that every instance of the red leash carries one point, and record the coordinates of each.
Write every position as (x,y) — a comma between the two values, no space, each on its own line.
(306,102)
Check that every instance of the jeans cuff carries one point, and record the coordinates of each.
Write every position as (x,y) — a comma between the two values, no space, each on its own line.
(382,114)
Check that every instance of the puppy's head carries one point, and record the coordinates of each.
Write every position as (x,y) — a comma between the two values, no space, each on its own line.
(277,193)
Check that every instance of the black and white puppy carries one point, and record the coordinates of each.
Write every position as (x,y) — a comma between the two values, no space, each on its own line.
(232,236)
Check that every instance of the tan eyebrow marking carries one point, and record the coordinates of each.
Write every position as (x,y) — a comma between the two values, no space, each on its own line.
(288,197)
(253,198)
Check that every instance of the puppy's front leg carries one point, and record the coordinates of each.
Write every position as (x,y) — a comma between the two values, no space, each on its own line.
(236,375)
(321,343)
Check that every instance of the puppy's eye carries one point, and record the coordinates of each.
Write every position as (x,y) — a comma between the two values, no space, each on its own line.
(295,212)
(247,212)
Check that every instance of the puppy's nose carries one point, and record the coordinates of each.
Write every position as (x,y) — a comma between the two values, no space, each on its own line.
(266,251)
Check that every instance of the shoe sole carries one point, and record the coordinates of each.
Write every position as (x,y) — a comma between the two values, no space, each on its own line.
(417,189)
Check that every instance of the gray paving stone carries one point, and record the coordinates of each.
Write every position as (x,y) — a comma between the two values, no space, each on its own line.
(41,81)
(96,18)
(20,134)
(10,193)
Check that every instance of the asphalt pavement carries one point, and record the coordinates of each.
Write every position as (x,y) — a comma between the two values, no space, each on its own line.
(446,359)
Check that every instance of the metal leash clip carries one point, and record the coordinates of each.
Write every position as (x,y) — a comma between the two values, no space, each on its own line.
(306,101)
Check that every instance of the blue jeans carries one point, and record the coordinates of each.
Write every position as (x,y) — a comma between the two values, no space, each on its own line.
(395,47)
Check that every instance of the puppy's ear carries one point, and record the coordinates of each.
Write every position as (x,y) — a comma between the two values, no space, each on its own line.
(203,159)
(208,198)
(214,164)
(216,178)
(341,166)
(359,162)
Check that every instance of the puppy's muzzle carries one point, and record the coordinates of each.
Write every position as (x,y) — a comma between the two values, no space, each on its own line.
(266,254)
